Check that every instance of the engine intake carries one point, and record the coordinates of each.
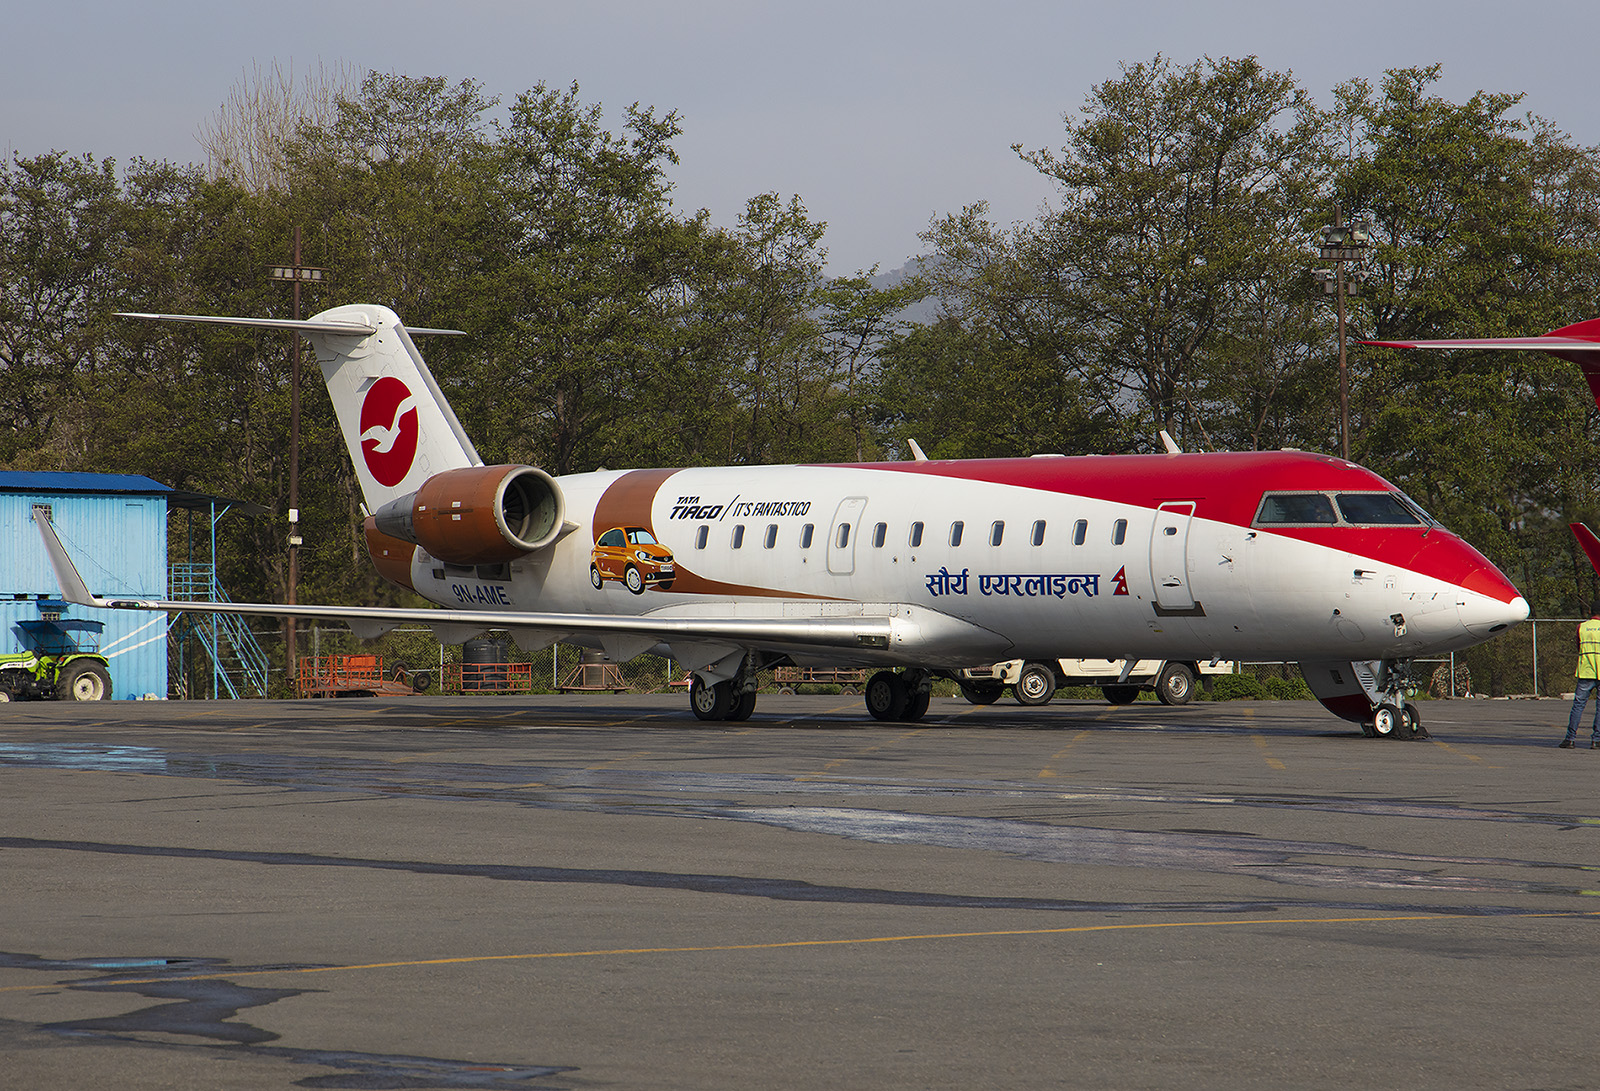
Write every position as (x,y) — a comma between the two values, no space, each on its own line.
(478,514)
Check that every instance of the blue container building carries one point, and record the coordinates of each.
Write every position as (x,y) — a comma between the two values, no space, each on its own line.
(115,527)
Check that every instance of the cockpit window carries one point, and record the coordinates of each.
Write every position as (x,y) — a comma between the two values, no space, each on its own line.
(1296,509)
(1358,509)
(1376,509)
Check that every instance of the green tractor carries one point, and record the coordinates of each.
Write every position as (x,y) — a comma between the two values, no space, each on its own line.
(63,661)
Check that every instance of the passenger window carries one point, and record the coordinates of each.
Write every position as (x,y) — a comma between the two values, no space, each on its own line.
(1038,532)
(916,535)
(772,535)
(701,535)
(879,533)
(805,535)
(1119,532)
(997,531)
(843,537)
(955,532)
(738,536)
(1296,509)
(1080,532)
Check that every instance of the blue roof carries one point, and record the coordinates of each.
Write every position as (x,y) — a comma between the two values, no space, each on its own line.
(41,481)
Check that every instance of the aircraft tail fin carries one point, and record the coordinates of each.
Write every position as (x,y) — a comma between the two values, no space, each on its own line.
(396,422)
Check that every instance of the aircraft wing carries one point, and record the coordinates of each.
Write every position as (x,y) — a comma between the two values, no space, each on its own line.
(1546,343)
(886,632)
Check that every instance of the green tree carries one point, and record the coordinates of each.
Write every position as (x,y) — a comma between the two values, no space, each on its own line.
(586,279)
(62,231)
(1174,188)
(1482,225)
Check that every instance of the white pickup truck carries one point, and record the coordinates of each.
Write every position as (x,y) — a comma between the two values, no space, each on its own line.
(1034,681)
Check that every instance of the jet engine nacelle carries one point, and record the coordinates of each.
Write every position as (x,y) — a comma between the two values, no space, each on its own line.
(478,514)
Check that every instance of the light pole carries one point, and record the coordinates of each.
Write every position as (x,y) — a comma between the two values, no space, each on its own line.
(1339,245)
(297,274)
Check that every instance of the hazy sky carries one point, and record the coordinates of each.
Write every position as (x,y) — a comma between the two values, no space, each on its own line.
(880,116)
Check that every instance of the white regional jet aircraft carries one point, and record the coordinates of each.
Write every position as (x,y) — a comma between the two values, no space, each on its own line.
(917,567)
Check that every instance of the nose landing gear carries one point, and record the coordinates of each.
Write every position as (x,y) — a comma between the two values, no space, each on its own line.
(1370,693)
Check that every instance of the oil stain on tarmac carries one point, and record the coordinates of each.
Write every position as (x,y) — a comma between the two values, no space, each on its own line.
(201,1012)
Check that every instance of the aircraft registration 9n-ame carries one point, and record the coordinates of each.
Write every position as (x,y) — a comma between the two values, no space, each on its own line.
(918,568)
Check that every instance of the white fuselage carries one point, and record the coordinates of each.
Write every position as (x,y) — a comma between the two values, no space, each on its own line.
(1051,573)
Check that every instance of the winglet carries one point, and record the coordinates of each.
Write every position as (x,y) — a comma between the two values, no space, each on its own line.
(1589,542)
(73,589)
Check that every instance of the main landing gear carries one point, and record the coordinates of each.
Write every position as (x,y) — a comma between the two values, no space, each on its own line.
(898,696)
(901,696)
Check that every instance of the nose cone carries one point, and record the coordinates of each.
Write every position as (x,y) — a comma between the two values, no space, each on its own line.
(1487,604)
(1485,616)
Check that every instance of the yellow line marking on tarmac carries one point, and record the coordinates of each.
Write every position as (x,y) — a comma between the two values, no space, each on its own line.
(1261,741)
(613,761)
(836,762)
(1460,753)
(775,945)
(1049,772)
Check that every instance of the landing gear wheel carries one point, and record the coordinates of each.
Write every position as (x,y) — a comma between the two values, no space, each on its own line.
(1386,721)
(594,577)
(1121,695)
(1411,723)
(83,681)
(743,706)
(1176,684)
(1035,685)
(981,695)
(712,702)
(916,706)
(633,579)
(886,696)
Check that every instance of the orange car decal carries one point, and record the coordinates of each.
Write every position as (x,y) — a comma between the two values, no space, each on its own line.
(628,502)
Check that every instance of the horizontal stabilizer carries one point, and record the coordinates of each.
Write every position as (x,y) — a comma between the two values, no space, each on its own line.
(300,325)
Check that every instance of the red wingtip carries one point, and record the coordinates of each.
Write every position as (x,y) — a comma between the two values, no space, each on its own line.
(1587,330)
(1589,542)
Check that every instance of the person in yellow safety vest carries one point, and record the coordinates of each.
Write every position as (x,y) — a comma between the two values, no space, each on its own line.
(1588,679)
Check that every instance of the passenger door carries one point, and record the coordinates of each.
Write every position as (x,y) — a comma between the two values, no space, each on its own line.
(1169,556)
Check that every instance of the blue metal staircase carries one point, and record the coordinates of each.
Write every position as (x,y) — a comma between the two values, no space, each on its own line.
(238,664)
